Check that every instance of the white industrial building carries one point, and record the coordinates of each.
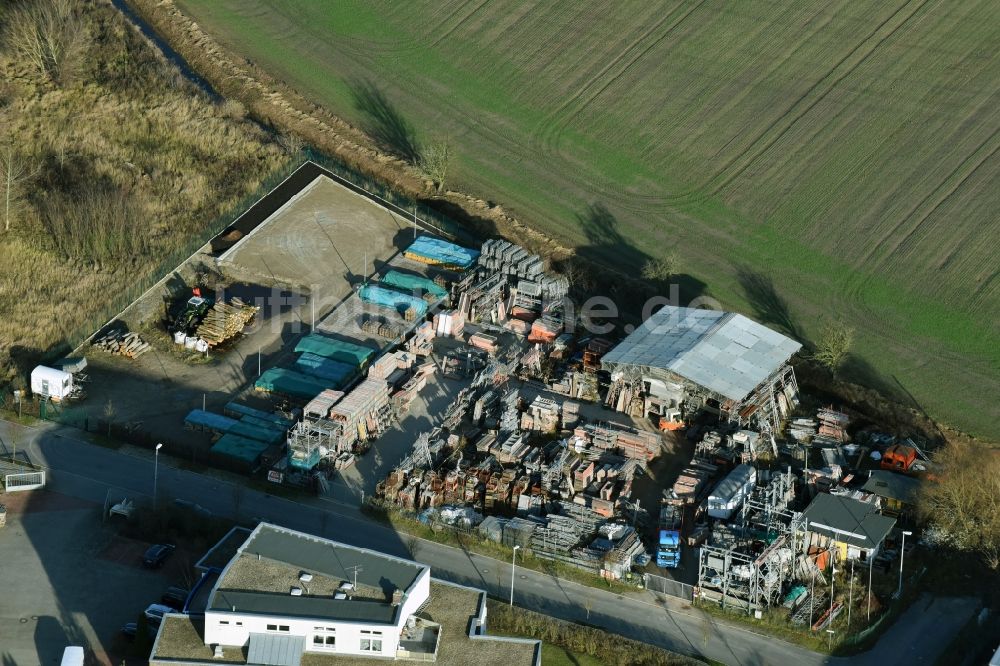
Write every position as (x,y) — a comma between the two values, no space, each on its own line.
(685,359)
(287,598)
(290,591)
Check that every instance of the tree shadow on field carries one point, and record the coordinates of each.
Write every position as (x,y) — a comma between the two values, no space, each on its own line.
(607,246)
(768,305)
(383,121)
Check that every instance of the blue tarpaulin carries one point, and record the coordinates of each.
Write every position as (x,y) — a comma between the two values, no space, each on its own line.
(436,251)
(243,410)
(395,300)
(199,418)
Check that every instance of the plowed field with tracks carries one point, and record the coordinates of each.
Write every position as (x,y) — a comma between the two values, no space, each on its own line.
(845,151)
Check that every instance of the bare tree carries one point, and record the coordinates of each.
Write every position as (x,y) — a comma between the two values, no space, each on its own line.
(15,172)
(834,345)
(576,273)
(436,161)
(109,414)
(964,501)
(661,269)
(291,142)
(48,36)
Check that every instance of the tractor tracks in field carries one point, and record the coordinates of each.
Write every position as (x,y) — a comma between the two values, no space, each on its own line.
(546,137)
(958,176)
(809,100)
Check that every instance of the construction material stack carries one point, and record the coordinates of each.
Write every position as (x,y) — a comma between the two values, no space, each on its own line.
(633,443)
(437,252)
(833,424)
(122,343)
(422,341)
(378,326)
(364,412)
(225,321)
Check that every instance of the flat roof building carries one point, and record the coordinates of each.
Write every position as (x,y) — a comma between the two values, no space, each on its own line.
(287,598)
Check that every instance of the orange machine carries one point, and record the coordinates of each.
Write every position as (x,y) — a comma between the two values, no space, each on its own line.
(899,458)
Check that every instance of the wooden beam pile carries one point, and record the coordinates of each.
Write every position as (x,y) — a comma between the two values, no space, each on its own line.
(122,343)
(225,321)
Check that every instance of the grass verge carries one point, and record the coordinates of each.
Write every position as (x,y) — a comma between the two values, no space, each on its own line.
(569,643)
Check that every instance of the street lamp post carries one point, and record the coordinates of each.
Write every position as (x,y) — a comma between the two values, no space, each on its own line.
(902,552)
(156,469)
(513,558)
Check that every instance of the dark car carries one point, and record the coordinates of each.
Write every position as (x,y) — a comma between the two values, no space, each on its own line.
(157,555)
(175,597)
(131,629)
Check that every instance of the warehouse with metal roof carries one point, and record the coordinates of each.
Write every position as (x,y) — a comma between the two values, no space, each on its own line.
(688,357)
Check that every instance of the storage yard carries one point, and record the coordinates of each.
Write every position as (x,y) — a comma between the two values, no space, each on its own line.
(448,384)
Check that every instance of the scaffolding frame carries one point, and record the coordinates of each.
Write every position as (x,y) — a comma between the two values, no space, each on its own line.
(307,439)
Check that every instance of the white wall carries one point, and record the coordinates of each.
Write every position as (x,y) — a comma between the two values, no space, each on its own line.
(59,383)
(348,633)
(420,591)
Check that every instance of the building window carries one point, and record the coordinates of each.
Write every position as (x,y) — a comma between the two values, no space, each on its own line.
(371,641)
(272,627)
(223,621)
(283,627)
(325,638)
(239,624)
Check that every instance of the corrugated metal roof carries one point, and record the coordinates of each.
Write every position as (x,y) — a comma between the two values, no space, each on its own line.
(725,352)
(275,650)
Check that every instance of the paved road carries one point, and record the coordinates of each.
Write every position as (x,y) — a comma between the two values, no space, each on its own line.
(85,470)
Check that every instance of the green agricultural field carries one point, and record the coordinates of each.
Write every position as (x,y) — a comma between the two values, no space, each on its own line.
(843,151)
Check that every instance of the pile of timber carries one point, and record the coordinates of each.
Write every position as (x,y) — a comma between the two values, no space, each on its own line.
(225,321)
(122,343)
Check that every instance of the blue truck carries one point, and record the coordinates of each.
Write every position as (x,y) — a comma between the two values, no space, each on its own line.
(668,549)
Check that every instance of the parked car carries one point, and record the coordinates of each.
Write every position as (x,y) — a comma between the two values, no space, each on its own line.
(131,629)
(175,597)
(156,555)
(155,612)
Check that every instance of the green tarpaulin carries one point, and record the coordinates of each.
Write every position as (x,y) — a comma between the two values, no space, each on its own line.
(335,350)
(291,383)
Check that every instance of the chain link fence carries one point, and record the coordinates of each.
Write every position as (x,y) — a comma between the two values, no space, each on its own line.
(671,588)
